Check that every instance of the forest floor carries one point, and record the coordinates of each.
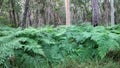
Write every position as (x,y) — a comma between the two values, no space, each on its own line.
(91,64)
(82,46)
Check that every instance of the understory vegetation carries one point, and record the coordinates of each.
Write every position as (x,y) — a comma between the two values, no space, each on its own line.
(81,46)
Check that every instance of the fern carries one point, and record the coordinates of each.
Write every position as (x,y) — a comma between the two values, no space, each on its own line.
(33,48)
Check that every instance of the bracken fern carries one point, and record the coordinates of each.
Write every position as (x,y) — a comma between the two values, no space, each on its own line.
(48,46)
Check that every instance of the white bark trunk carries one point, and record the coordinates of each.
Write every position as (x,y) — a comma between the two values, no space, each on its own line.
(112,13)
(0,12)
(67,8)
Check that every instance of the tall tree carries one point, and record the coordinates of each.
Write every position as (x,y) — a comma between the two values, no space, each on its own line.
(95,13)
(25,13)
(12,2)
(1,2)
(30,17)
(112,13)
(106,12)
(67,8)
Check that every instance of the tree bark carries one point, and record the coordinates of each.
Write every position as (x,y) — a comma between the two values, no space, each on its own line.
(67,8)
(25,14)
(95,13)
(18,19)
(48,11)
(29,16)
(106,12)
(13,12)
(112,13)
(1,2)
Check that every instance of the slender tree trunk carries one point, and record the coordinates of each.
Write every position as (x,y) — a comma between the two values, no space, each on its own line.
(13,12)
(29,16)
(25,14)
(48,11)
(37,17)
(95,13)
(18,19)
(117,16)
(112,13)
(67,8)
(10,16)
(106,12)
(0,12)
(1,2)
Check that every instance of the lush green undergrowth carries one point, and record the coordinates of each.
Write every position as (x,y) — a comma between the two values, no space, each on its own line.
(52,47)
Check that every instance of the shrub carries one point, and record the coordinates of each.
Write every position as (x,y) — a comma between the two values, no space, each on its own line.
(33,48)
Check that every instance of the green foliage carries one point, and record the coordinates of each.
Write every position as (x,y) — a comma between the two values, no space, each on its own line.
(4,21)
(34,48)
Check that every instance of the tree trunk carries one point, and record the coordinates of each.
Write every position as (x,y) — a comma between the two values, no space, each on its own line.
(13,12)
(25,14)
(30,18)
(106,12)
(18,19)
(37,17)
(67,7)
(1,2)
(95,13)
(112,13)
(48,11)
(10,16)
